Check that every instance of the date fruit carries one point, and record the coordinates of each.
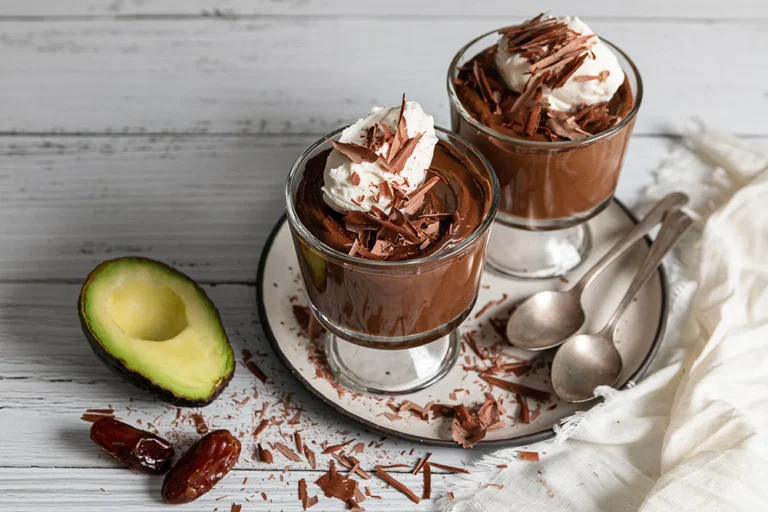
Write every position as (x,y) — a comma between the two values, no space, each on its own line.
(198,470)
(137,449)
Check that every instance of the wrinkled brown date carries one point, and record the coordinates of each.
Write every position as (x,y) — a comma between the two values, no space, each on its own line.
(137,449)
(201,467)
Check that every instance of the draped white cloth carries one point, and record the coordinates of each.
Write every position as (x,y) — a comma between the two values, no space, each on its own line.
(692,436)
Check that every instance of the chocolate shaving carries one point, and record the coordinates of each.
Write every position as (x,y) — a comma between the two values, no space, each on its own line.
(397,485)
(256,371)
(424,460)
(336,447)
(199,423)
(525,412)
(287,452)
(265,455)
(530,456)
(448,468)
(427,494)
(236,508)
(469,428)
(398,162)
(298,441)
(336,485)
(310,455)
(535,394)
(358,154)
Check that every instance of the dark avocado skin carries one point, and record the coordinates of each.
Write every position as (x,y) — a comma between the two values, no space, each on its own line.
(136,378)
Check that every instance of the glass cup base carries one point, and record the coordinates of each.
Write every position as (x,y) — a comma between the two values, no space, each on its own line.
(537,254)
(391,372)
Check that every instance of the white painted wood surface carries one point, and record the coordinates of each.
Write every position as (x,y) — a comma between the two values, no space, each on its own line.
(166,127)
(310,75)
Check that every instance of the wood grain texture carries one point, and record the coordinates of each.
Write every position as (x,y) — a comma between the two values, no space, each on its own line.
(76,490)
(690,10)
(268,75)
(49,377)
(203,204)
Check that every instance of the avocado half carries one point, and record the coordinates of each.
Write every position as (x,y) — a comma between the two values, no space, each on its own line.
(158,329)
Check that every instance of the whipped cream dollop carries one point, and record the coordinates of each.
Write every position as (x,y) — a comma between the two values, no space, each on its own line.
(350,186)
(576,92)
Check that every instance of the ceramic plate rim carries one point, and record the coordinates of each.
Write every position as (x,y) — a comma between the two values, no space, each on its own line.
(542,435)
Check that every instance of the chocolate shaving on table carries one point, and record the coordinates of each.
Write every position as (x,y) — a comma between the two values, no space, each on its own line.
(287,452)
(530,456)
(420,464)
(265,455)
(358,154)
(535,394)
(427,494)
(448,468)
(397,485)
(236,508)
(254,369)
(264,424)
(336,485)
(310,455)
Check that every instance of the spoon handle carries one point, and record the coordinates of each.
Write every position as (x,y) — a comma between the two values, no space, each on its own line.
(672,230)
(671,202)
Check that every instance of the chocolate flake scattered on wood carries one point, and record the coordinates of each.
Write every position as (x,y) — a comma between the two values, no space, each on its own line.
(199,423)
(265,455)
(336,485)
(287,452)
(336,447)
(306,501)
(397,485)
(254,369)
(310,455)
(236,507)
(530,456)
(448,468)
(427,494)
(424,460)
(298,441)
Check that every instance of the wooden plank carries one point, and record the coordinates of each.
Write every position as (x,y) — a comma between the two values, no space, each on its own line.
(689,9)
(275,75)
(75,490)
(49,377)
(204,204)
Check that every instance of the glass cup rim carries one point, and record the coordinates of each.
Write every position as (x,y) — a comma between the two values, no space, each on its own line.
(541,144)
(295,222)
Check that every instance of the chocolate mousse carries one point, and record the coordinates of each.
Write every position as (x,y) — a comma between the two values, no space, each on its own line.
(405,195)
(553,97)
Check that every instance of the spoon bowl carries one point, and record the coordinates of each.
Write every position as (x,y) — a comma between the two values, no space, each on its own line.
(544,320)
(586,361)
(583,363)
(547,319)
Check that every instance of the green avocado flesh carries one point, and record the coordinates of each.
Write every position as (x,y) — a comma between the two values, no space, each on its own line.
(157,328)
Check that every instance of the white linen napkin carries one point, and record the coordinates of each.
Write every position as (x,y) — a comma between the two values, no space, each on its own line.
(693,435)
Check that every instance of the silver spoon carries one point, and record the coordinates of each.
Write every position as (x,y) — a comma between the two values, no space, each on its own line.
(546,319)
(590,360)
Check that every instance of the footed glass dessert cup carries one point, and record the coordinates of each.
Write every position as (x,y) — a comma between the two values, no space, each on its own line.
(548,189)
(391,326)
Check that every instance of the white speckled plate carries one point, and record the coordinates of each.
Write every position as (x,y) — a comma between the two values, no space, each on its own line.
(640,332)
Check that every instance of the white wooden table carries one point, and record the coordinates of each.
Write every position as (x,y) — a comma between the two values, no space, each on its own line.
(165,128)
